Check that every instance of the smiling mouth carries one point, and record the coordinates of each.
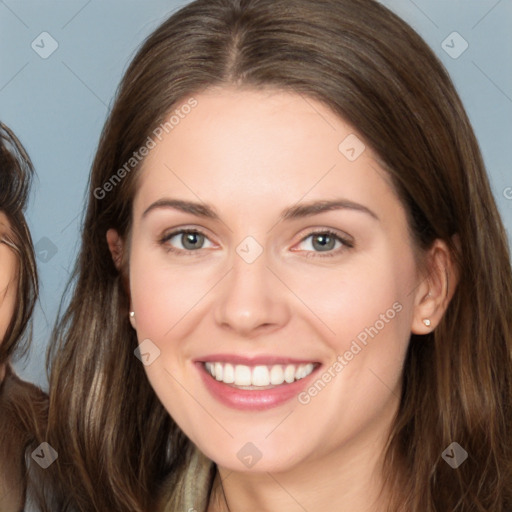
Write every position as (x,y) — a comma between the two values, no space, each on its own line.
(258,377)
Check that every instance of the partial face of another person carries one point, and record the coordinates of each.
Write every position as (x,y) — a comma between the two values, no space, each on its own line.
(8,272)
(238,268)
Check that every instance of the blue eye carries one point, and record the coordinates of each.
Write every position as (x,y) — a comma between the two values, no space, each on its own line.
(322,243)
(190,240)
(327,242)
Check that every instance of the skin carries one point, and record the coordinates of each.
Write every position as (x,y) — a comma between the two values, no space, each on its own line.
(250,154)
(8,271)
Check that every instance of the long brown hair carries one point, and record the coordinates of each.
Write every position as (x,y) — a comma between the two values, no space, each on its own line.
(16,173)
(115,439)
(23,406)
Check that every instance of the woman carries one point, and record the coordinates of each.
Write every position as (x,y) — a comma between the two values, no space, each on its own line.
(23,406)
(294,287)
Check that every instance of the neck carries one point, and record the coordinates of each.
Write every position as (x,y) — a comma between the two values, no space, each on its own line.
(347,479)
(2,372)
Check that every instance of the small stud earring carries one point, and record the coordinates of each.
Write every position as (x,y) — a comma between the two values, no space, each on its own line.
(132,314)
(426,322)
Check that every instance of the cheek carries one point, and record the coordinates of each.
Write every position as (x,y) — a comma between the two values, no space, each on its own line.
(369,308)
(7,304)
(364,311)
(161,297)
(7,288)
(363,295)
(163,294)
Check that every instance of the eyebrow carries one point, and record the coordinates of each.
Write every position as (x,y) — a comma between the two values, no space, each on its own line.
(293,212)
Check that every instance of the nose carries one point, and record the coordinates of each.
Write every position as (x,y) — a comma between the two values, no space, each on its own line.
(251,299)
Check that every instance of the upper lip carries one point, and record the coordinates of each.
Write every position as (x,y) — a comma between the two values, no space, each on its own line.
(253,360)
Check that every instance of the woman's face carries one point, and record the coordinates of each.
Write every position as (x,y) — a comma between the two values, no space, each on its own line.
(276,285)
(8,270)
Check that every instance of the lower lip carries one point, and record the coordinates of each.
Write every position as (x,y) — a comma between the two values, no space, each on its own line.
(253,400)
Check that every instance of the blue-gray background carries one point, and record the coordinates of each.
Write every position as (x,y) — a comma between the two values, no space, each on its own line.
(57,105)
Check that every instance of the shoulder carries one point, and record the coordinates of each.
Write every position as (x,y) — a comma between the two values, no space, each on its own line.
(23,405)
(13,385)
(23,416)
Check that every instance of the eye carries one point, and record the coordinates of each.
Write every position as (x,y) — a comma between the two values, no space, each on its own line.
(325,241)
(185,240)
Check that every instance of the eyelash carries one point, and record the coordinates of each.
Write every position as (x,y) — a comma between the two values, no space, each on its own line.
(346,243)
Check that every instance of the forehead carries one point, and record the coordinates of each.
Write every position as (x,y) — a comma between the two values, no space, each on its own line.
(250,128)
(264,146)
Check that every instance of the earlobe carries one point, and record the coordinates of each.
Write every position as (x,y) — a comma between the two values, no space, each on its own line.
(425,318)
(116,248)
(115,245)
(437,289)
(132,319)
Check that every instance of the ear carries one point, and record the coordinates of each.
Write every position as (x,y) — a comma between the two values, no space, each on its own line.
(116,246)
(434,293)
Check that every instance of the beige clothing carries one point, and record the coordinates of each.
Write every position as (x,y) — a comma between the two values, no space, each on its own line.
(192,492)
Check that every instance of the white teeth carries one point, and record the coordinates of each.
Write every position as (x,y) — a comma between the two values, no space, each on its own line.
(276,375)
(300,372)
(229,374)
(218,371)
(258,376)
(209,367)
(242,375)
(289,373)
